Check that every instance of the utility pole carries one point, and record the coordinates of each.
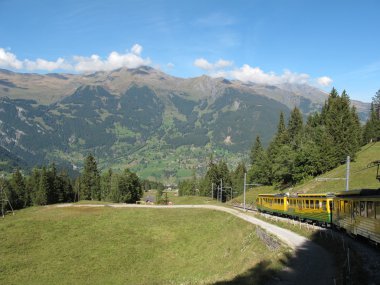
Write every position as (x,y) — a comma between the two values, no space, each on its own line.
(348,173)
(212,190)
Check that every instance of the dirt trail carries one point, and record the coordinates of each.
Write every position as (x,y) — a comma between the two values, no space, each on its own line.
(310,263)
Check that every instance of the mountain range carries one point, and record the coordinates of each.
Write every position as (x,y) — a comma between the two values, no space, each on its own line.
(161,126)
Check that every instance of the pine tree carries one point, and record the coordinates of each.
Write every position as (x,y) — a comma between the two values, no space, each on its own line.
(41,197)
(53,194)
(376,100)
(105,184)
(238,178)
(78,189)
(211,179)
(33,184)
(260,171)
(66,191)
(341,124)
(90,180)
(277,151)
(295,128)
(257,151)
(114,194)
(21,197)
(224,178)
(371,130)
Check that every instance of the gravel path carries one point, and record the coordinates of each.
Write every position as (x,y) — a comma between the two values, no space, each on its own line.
(310,263)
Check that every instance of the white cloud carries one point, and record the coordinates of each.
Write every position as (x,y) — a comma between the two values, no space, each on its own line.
(205,65)
(324,81)
(256,75)
(247,73)
(221,63)
(170,65)
(114,60)
(42,64)
(9,60)
(136,49)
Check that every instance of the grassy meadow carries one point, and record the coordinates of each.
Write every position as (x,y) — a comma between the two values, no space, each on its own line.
(103,245)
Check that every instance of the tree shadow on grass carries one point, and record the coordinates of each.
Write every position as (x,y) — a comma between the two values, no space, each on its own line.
(322,260)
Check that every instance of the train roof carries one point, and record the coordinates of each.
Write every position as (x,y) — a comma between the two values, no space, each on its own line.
(296,195)
(359,192)
(279,195)
(315,195)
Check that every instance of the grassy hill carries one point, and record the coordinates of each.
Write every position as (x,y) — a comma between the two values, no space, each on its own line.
(49,245)
(360,177)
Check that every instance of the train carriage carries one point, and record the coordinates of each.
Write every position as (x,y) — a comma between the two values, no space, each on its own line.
(311,207)
(272,203)
(358,213)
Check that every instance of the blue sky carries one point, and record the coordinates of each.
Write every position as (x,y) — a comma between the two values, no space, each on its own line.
(322,43)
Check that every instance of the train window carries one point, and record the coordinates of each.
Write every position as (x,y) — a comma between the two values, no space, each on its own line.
(307,204)
(346,210)
(311,204)
(324,206)
(317,204)
(356,209)
(299,202)
(370,210)
(377,208)
(282,201)
(362,209)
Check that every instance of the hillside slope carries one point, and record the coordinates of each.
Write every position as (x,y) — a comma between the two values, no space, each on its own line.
(360,175)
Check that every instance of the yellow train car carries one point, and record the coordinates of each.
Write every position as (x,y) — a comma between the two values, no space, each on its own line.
(310,207)
(272,203)
(358,213)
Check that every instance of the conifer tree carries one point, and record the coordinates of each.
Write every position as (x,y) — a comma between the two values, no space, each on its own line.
(257,151)
(341,124)
(295,128)
(90,180)
(260,171)
(371,130)
(66,191)
(54,187)
(41,197)
(21,197)
(32,184)
(114,194)
(238,178)
(105,184)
